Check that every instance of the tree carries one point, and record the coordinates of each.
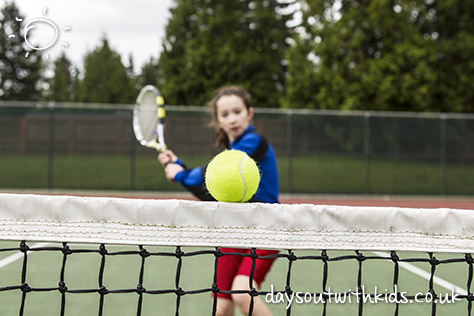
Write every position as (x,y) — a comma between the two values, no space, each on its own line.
(212,43)
(131,66)
(64,84)
(383,55)
(20,69)
(105,78)
(150,73)
(453,32)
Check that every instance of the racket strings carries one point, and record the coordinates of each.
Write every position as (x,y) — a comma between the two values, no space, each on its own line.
(147,117)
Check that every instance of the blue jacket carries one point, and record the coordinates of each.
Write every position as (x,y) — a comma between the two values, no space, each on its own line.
(256,147)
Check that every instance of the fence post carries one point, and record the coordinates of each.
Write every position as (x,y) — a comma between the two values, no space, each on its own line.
(443,153)
(50,171)
(367,151)
(289,145)
(132,157)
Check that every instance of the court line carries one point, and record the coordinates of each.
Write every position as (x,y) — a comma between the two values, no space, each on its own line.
(425,275)
(17,256)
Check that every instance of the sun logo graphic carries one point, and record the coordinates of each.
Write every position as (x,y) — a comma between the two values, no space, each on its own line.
(40,24)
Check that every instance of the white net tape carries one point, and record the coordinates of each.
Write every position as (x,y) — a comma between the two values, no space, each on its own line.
(193,223)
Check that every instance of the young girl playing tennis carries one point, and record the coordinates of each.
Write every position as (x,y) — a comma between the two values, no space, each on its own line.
(233,115)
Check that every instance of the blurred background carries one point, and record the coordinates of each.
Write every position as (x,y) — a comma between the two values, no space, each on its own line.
(357,97)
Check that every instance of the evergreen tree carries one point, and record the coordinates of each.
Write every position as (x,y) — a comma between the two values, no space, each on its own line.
(20,74)
(453,32)
(383,55)
(210,43)
(131,73)
(64,84)
(105,78)
(131,66)
(149,73)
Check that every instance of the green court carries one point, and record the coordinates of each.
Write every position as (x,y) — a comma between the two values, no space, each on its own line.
(122,272)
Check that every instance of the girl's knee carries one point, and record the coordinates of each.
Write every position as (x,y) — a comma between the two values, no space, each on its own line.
(225,307)
(241,283)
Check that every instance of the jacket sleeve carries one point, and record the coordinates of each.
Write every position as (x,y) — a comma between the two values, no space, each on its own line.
(193,181)
(254,145)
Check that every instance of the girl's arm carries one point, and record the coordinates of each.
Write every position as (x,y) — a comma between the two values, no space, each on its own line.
(191,179)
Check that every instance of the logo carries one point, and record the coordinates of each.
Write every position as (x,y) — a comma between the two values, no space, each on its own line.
(42,24)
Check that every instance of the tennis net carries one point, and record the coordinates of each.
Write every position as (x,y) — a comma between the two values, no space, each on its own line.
(65,255)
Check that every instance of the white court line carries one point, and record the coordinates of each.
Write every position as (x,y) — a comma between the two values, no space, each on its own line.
(17,256)
(425,275)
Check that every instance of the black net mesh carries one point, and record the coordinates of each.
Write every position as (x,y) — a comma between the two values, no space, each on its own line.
(320,299)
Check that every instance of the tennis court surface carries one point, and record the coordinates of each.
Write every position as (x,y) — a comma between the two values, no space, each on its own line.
(71,255)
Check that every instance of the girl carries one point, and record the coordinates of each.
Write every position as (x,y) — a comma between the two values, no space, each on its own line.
(232,116)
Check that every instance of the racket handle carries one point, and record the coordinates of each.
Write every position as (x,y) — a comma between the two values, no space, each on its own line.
(168,161)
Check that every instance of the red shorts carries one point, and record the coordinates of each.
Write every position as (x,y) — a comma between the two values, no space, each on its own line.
(231,265)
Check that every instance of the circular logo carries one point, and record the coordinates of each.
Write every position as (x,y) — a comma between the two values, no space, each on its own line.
(29,27)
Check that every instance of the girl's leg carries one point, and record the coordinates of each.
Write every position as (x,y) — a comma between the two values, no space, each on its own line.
(242,301)
(225,307)
(226,270)
(241,281)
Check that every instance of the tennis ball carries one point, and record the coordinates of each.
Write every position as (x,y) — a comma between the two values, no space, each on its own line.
(232,176)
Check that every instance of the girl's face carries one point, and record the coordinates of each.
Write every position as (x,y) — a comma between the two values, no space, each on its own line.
(233,116)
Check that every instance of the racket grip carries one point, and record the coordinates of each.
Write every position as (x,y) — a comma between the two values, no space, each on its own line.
(168,161)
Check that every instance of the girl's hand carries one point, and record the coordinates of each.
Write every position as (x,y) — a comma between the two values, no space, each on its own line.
(167,157)
(171,170)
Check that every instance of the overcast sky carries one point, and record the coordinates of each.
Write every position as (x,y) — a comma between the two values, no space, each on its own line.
(132,26)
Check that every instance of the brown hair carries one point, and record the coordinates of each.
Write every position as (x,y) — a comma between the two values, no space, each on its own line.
(221,138)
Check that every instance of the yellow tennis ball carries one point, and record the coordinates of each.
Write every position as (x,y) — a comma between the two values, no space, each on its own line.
(232,176)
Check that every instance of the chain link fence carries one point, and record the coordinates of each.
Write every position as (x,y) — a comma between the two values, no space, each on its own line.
(92,147)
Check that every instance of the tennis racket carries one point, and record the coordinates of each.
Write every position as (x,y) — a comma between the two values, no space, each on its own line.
(149,118)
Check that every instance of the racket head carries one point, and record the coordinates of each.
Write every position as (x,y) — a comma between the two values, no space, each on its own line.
(148,118)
